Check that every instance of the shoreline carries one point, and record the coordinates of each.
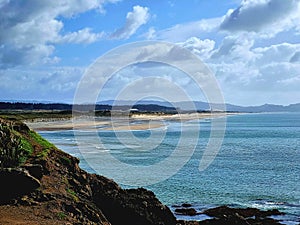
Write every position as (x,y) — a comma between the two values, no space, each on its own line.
(145,122)
(87,124)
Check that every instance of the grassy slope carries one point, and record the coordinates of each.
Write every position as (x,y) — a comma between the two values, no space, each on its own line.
(47,204)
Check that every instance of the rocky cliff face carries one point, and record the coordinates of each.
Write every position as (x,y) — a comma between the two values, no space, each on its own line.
(46,186)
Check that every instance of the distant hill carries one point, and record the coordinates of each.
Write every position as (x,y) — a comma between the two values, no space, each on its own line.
(202,106)
(148,106)
(265,108)
(128,103)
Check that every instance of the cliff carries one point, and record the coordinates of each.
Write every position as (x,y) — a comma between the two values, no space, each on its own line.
(41,184)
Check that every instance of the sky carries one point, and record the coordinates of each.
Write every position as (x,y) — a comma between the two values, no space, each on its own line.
(251,46)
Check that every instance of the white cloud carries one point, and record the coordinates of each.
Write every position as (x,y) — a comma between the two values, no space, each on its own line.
(205,28)
(134,20)
(150,34)
(29,29)
(244,70)
(235,48)
(266,16)
(281,53)
(294,81)
(82,36)
(203,48)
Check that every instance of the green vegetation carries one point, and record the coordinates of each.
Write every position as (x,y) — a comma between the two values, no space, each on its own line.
(26,146)
(70,191)
(73,194)
(61,215)
(27,149)
(18,143)
(65,161)
(14,148)
(46,145)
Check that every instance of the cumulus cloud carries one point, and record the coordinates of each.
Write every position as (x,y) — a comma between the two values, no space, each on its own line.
(202,48)
(134,20)
(277,53)
(30,28)
(234,48)
(263,16)
(246,70)
(84,36)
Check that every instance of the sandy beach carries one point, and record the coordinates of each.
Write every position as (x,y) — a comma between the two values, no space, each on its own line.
(135,122)
(180,117)
(87,124)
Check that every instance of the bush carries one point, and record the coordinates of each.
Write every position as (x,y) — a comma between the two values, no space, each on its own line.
(14,149)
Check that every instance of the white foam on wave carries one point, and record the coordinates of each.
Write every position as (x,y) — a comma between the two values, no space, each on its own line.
(287,219)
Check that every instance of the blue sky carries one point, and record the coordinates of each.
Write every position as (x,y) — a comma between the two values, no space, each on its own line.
(252,46)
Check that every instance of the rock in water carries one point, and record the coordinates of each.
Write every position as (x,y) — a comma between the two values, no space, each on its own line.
(186,211)
(249,216)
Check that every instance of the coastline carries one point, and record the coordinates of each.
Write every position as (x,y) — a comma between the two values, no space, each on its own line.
(88,124)
(135,122)
(67,194)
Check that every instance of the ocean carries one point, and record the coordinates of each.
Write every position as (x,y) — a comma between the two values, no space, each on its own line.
(258,164)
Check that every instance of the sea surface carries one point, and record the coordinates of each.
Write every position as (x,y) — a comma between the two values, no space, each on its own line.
(258,164)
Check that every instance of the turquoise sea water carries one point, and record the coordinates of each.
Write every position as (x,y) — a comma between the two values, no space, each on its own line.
(258,164)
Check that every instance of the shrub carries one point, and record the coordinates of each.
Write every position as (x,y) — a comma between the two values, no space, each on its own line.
(10,148)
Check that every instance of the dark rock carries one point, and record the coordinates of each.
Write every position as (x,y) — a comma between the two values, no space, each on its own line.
(26,201)
(263,221)
(225,221)
(222,211)
(20,127)
(72,209)
(186,205)
(35,170)
(183,222)
(229,216)
(133,206)
(16,183)
(42,197)
(186,211)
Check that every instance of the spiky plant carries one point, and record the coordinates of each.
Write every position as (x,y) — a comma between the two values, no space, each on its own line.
(10,148)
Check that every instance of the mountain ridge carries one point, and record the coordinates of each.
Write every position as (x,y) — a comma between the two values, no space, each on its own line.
(200,105)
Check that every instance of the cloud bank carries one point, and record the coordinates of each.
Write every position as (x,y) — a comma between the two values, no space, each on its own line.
(253,49)
(31,29)
(248,49)
(263,16)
